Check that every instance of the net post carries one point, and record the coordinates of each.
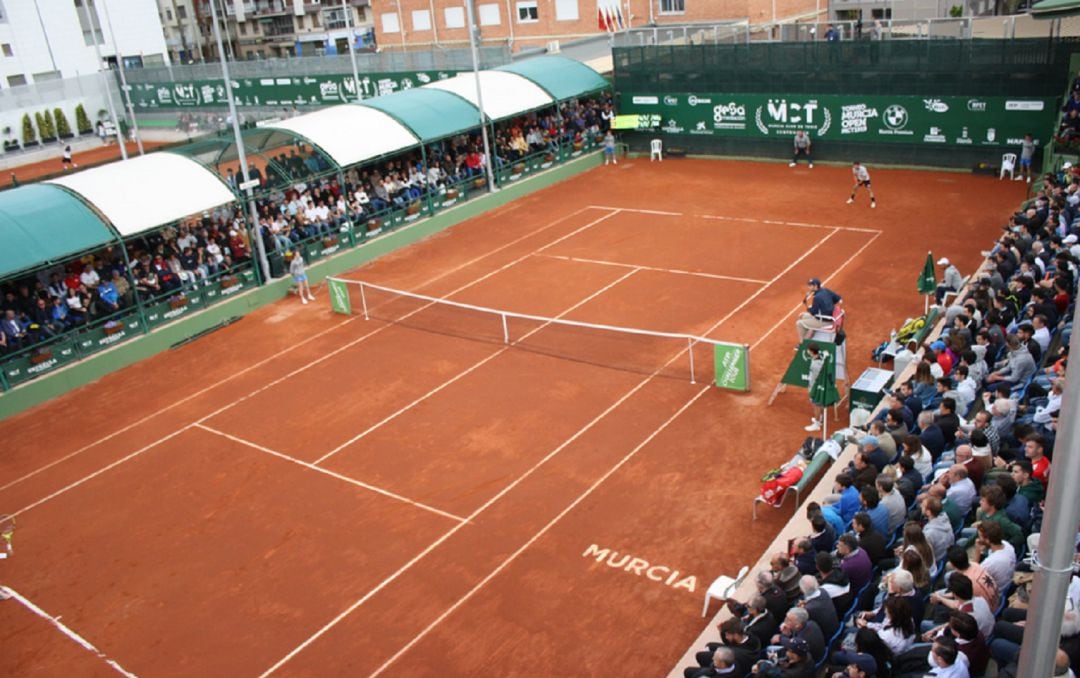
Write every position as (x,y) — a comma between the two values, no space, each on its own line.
(363,300)
(506,330)
(690,350)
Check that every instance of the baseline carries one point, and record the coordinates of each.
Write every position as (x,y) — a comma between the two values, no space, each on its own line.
(719,217)
(9,593)
(600,262)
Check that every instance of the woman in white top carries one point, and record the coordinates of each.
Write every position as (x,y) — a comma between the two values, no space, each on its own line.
(897,631)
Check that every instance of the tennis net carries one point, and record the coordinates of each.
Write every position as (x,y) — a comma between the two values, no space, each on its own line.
(665,354)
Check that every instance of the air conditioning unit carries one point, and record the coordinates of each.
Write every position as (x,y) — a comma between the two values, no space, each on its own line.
(553,47)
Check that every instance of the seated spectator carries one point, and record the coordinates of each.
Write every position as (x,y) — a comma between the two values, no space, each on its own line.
(870,539)
(1019,365)
(745,649)
(897,629)
(854,562)
(870,656)
(937,530)
(818,605)
(834,583)
(931,436)
(797,624)
(996,556)
(892,500)
(958,595)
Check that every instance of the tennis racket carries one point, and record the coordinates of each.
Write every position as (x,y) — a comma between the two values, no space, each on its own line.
(7,531)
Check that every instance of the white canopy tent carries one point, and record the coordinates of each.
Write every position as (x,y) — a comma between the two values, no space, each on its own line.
(505,94)
(148,191)
(349,133)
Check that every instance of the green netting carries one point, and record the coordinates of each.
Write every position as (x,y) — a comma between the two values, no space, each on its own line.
(1024,67)
(41,224)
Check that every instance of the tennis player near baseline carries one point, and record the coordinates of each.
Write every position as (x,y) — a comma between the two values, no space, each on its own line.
(862,178)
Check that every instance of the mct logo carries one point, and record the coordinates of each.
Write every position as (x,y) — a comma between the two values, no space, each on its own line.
(976,106)
(936,105)
(671,101)
(782,111)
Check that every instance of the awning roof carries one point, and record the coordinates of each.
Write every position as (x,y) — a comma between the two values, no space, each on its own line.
(505,94)
(349,133)
(560,77)
(430,113)
(41,224)
(151,190)
(1055,9)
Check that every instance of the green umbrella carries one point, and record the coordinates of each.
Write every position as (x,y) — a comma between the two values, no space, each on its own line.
(823,391)
(928,279)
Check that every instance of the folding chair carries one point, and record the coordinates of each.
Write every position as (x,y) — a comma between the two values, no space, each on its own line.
(723,588)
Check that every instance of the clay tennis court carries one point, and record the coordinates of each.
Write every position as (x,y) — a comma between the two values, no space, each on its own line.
(305,493)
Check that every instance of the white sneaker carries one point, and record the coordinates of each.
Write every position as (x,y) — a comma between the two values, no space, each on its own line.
(791,164)
(1029,180)
(810,166)
(1018,178)
(873,204)
(303,300)
(850,201)
(614,162)
(311,297)
(814,426)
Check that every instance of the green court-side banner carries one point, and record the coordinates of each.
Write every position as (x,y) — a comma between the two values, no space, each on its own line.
(950,120)
(300,91)
(339,296)
(731,367)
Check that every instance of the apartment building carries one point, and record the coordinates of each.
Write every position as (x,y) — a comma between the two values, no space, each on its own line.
(261,29)
(418,24)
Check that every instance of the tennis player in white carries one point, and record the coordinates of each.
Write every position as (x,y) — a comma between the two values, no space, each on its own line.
(862,178)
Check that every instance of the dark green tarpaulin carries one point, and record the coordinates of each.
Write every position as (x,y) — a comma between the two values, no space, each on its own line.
(42,224)
(560,77)
(429,113)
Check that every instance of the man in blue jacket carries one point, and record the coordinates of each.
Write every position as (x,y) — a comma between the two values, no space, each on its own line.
(820,303)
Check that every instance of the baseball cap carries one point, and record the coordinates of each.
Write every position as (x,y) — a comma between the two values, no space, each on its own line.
(943,262)
(1067,165)
(798,646)
(980,451)
(813,281)
(868,440)
(1070,239)
(937,345)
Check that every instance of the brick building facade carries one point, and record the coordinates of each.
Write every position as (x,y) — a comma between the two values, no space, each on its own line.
(535,23)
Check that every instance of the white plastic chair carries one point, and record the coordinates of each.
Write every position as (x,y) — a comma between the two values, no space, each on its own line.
(1008,164)
(656,150)
(723,588)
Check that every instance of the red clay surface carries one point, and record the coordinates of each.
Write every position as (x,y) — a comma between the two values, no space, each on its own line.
(319,495)
(88,158)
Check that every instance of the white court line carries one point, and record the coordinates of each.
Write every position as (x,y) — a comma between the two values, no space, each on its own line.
(458,376)
(55,621)
(332,474)
(832,275)
(513,556)
(275,357)
(749,220)
(407,566)
(600,262)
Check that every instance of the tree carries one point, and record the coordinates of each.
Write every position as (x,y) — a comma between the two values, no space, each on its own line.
(50,127)
(29,137)
(82,121)
(63,128)
(40,120)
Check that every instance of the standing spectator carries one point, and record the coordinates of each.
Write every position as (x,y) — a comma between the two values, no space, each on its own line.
(66,161)
(802,145)
(299,276)
(1027,154)
(862,180)
(609,149)
(831,34)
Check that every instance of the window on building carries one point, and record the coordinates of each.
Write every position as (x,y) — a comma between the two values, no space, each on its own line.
(315,20)
(168,14)
(46,76)
(3,14)
(566,10)
(527,12)
(672,6)
(243,28)
(181,12)
(335,18)
(7,49)
(881,14)
(455,17)
(16,80)
(89,34)
(489,15)
(421,20)
(390,23)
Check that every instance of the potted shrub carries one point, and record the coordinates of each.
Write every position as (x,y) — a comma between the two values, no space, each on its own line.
(29,136)
(82,121)
(228,281)
(10,142)
(41,355)
(49,133)
(63,128)
(374,226)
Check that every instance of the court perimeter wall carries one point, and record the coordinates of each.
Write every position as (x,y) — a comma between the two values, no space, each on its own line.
(168,336)
(932,103)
